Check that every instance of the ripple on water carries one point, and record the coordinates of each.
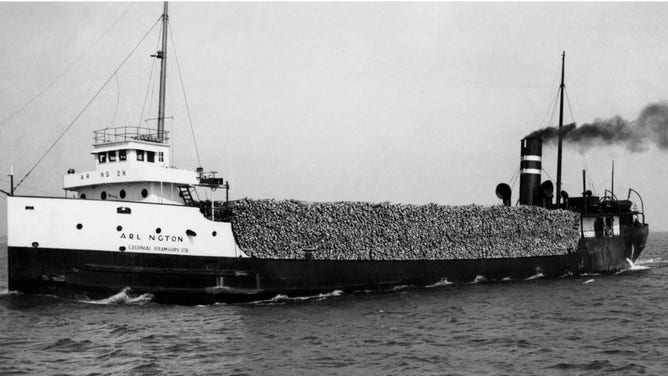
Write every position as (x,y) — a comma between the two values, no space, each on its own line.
(68,345)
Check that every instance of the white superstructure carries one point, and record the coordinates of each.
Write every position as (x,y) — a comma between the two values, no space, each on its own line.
(132,201)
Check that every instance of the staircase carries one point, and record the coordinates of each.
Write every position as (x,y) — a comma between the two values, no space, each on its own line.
(184,192)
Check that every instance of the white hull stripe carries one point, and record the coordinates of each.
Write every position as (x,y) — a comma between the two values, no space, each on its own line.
(536,158)
(530,171)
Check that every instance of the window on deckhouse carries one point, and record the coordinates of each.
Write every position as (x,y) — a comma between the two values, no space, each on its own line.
(102,157)
(140,155)
(150,156)
(112,156)
(122,155)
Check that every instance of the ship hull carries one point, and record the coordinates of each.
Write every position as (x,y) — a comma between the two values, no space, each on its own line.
(90,274)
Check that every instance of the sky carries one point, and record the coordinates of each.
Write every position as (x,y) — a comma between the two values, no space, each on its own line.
(401,102)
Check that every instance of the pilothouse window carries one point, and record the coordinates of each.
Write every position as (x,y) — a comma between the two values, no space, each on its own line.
(161,156)
(150,156)
(112,156)
(122,155)
(102,157)
(140,155)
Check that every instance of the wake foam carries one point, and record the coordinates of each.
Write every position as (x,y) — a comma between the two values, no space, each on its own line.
(479,279)
(588,281)
(4,291)
(122,297)
(281,298)
(633,266)
(399,287)
(442,282)
(649,261)
(535,276)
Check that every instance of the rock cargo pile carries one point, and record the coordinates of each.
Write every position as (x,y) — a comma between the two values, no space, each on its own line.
(362,231)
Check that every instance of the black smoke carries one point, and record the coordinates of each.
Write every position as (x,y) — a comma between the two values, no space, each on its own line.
(651,126)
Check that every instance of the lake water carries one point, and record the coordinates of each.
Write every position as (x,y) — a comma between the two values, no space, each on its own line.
(616,324)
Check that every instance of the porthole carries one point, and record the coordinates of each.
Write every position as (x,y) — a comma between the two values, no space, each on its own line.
(144,193)
(79,226)
(158,230)
(119,228)
(83,196)
(103,195)
(122,193)
(214,233)
(121,248)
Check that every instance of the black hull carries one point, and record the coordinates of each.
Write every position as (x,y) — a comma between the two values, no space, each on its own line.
(205,280)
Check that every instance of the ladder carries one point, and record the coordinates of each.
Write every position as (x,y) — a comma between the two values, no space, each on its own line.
(184,192)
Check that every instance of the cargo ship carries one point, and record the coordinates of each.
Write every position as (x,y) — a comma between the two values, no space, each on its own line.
(135,222)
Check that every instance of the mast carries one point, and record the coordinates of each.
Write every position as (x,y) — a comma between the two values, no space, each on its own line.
(162,55)
(561,123)
(612,181)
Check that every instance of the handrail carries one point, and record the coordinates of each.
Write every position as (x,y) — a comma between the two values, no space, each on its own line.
(611,197)
(642,204)
(106,135)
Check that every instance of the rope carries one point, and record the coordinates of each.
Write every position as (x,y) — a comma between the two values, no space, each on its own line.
(183,89)
(66,70)
(88,104)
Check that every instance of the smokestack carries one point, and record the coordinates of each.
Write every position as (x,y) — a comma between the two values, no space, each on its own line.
(530,167)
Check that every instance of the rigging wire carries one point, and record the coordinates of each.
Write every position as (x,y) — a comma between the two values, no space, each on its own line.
(553,106)
(29,102)
(570,109)
(553,102)
(434,74)
(183,89)
(554,110)
(30,188)
(118,99)
(154,83)
(88,104)
(150,81)
(516,174)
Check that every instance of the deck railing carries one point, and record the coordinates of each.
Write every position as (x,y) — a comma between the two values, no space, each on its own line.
(108,135)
